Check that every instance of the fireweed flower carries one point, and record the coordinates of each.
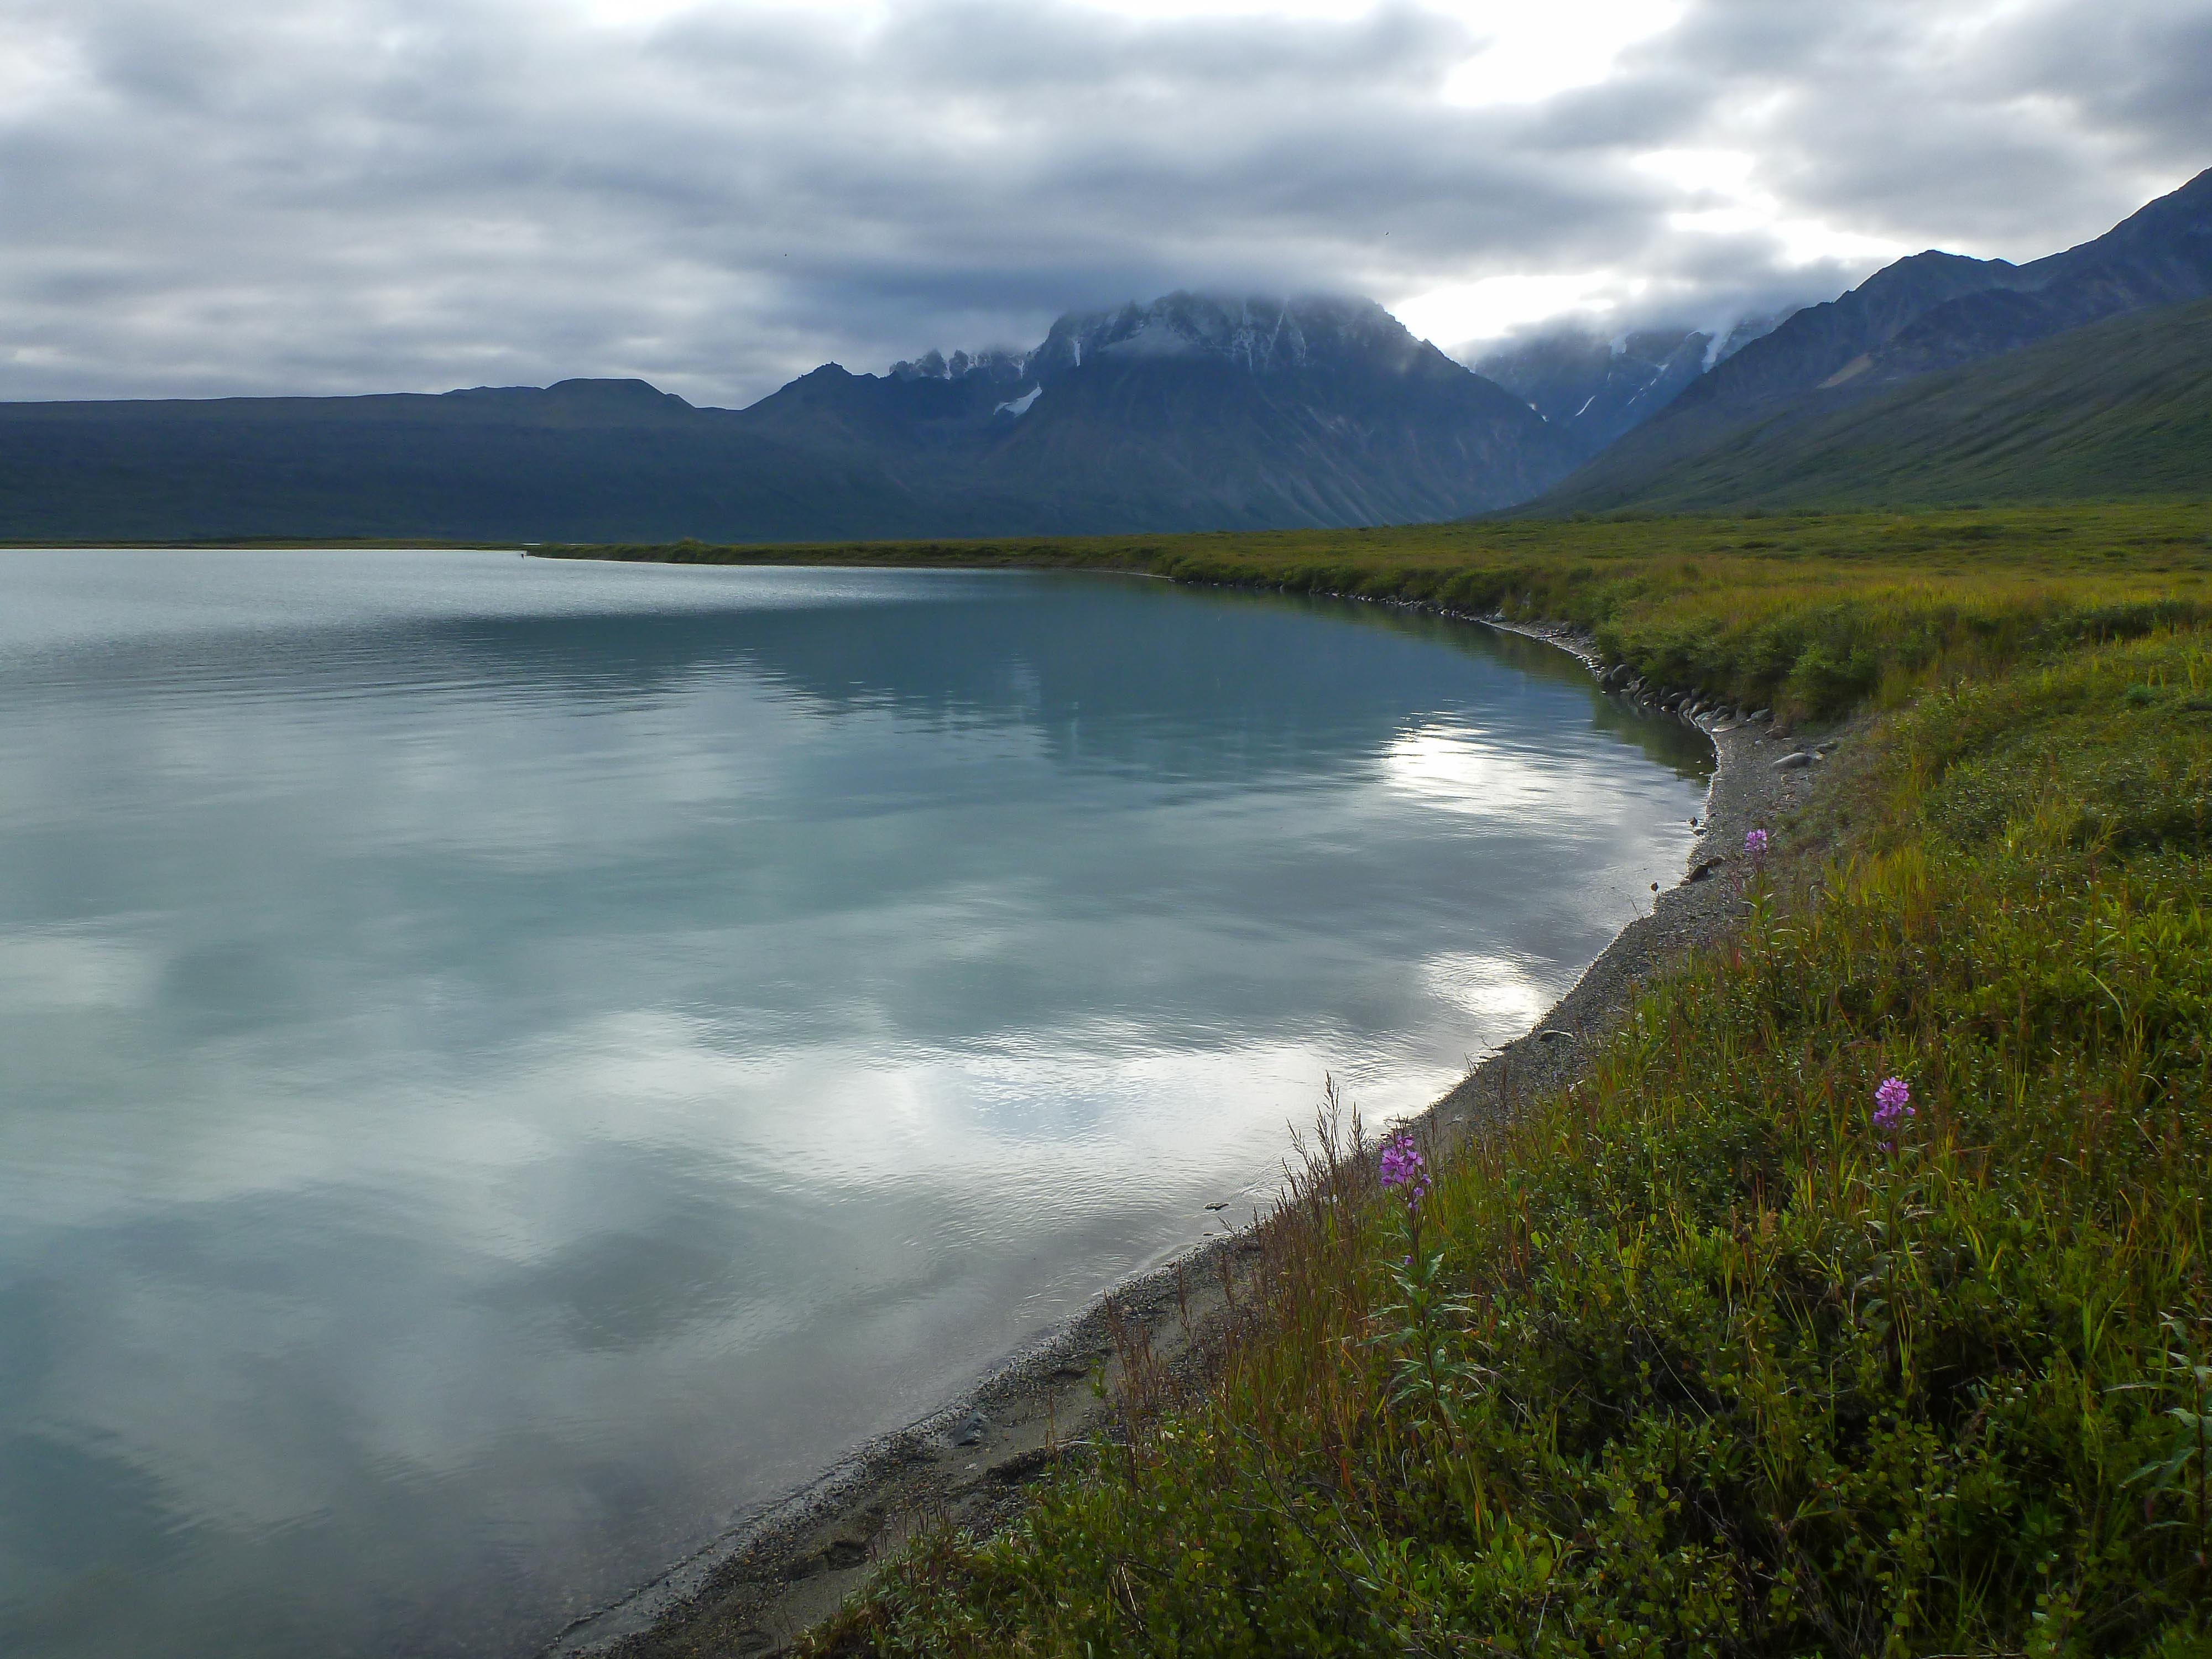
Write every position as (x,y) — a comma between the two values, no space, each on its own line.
(1402,1168)
(1892,1110)
(1755,845)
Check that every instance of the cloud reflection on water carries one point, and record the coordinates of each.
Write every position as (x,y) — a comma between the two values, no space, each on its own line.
(517,1060)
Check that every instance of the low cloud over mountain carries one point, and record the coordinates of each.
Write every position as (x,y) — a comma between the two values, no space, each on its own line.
(1195,411)
(383,194)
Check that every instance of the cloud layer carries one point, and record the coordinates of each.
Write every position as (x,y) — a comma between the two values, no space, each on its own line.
(416,194)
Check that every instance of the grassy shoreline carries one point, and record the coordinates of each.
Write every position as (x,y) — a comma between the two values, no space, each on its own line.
(1811,613)
(1697,1356)
(1171,1325)
(1711,1362)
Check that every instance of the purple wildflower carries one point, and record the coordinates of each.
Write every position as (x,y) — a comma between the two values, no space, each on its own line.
(1893,1108)
(1402,1167)
(1754,844)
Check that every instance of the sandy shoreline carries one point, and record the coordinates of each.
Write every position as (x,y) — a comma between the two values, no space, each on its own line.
(793,1563)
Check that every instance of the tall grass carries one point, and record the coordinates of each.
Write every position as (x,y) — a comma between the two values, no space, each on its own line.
(1695,1357)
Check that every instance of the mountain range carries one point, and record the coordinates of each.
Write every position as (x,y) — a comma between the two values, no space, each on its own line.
(1189,413)
(2123,407)
(1923,315)
(1197,411)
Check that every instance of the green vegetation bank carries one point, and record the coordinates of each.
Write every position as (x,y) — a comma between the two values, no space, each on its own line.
(1700,1357)
(1812,613)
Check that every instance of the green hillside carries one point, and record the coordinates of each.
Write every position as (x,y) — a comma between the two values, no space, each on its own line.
(2123,409)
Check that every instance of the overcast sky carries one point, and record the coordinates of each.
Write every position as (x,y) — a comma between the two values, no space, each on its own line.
(370,195)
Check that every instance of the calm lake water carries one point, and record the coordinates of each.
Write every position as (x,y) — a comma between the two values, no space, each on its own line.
(505,1064)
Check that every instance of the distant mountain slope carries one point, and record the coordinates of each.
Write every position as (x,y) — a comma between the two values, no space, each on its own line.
(1595,389)
(1190,413)
(1328,413)
(2160,255)
(1929,312)
(1195,411)
(1159,444)
(2121,408)
(582,458)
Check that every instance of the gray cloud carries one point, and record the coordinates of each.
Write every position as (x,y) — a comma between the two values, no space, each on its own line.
(379,194)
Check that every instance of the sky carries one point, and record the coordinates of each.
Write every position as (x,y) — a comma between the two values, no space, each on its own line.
(341,195)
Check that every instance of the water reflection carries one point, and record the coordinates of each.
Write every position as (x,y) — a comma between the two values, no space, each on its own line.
(507,1062)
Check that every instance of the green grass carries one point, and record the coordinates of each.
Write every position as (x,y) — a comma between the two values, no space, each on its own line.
(1686,1360)
(1811,613)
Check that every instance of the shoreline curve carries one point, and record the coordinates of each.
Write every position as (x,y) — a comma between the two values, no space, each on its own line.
(791,1562)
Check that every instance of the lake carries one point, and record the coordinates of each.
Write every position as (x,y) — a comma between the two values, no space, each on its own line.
(507,1064)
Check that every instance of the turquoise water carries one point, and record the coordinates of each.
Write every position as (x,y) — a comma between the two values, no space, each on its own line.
(505,1064)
